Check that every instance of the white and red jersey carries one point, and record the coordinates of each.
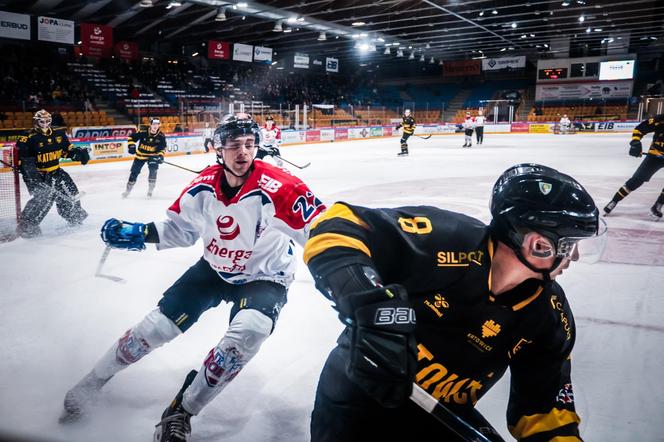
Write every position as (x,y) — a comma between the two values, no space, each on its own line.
(250,236)
(468,123)
(271,137)
(479,121)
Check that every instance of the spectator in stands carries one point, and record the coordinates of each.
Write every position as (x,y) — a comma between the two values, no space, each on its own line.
(87,105)
(178,128)
(58,121)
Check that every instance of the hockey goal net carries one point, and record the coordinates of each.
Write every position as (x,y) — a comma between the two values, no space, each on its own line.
(10,196)
(558,129)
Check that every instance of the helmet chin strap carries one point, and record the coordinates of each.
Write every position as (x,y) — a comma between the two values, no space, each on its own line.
(227,169)
(546,273)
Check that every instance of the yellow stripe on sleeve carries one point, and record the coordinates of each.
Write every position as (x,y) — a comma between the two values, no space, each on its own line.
(565,439)
(540,423)
(320,243)
(339,211)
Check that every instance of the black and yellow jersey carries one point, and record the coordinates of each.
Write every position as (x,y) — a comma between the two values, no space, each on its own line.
(656,125)
(467,337)
(147,145)
(408,124)
(46,147)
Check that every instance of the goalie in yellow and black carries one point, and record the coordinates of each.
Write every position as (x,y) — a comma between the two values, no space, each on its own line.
(149,147)
(408,125)
(443,300)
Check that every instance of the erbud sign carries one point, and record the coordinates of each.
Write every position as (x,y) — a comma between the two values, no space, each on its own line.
(14,25)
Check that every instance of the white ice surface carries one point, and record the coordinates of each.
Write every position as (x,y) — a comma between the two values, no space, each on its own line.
(58,319)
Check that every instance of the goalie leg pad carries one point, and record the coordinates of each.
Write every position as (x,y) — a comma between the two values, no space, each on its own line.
(242,340)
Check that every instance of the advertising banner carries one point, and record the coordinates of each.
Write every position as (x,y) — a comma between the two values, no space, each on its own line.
(461,68)
(601,89)
(331,64)
(293,136)
(388,131)
(107,149)
(126,50)
(341,134)
(519,126)
(540,128)
(620,126)
(313,135)
(242,52)
(219,50)
(184,144)
(494,64)
(55,30)
(301,61)
(327,134)
(376,132)
(445,128)
(262,54)
(14,25)
(102,131)
(96,40)
(497,128)
(358,132)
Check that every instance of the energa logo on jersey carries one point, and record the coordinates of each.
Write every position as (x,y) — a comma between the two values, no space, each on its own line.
(228,228)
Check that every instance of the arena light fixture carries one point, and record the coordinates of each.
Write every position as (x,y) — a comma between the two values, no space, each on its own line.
(221,15)
(292,19)
(440,63)
(288,30)
(358,23)
(322,36)
(565,3)
(242,4)
(278,26)
(494,12)
(387,51)
(513,25)
(411,56)
(481,14)
(194,54)
(432,61)
(146,4)
(582,19)
(399,53)
(428,46)
(588,31)
(422,58)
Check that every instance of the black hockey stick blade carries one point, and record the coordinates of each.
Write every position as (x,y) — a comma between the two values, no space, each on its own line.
(443,415)
(184,168)
(426,137)
(304,166)
(102,261)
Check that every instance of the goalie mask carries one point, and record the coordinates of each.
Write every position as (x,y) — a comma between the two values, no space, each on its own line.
(42,120)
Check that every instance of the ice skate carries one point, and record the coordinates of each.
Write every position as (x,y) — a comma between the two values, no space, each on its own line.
(78,399)
(656,212)
(174,425)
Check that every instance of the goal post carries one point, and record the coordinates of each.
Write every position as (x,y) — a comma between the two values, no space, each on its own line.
(10,192)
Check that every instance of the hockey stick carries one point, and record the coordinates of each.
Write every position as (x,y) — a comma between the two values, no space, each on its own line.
(425,137)
(443,415)
(102,261)
(178,166)
(304,166)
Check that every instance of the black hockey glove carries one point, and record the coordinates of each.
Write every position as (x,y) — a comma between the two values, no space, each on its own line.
(274,151)
(635,148)
(397,127)
(79,154)
(156,160)
(383,354)
(131,149)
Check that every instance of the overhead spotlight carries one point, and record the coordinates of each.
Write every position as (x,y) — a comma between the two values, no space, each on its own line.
(363,47)
(287,30)
(387,51)
(588,31)
(422,57)
(274,62)
(174,4)
(358,23)
(194,54)
(565,3)
(494,12)
(440,63)
(322,36)
(598,29)
(234,6)
(532,35)
(582,2)
(292,19)
(146,4)
(503,49)
(410,47)
(481,14)
(221,15)
(244,17)
(411,56)
(355,36)
(432,61)
(380,39)
(242,4)
(582,19)
(428,46)
(300,19)
(364,34)
(513,25)
(524,36)
(278,26)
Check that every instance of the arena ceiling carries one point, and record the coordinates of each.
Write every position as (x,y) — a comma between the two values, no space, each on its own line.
(444,30)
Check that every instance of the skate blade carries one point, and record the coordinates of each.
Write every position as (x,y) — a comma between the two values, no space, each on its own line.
(111,277)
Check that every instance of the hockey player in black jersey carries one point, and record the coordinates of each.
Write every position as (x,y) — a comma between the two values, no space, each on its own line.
(652,163)
(40,151)
(440,299)
(151,148)
(408,125)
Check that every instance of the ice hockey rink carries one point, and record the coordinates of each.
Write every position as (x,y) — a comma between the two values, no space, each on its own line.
(58,318)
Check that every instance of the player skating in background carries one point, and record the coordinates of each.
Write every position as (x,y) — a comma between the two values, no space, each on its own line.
(468,127)
(248,215)
(652,163)
(479,126)
(270,142)
(408,125)
(564,124)
(149,146)
(440,299)
(39,152)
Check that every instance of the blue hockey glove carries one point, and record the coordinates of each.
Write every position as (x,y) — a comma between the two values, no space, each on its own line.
(123,235)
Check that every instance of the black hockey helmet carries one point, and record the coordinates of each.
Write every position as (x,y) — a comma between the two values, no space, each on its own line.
(535,198)
(235,125)
(269,118)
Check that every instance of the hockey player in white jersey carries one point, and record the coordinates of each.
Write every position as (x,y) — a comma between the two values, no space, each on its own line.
(564,124)
(270,142)
(248,215)
(468,128)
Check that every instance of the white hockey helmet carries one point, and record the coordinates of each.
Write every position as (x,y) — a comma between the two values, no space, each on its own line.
(406,112)
(42,119)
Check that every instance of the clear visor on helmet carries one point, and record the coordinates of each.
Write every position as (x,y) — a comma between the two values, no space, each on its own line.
(584,249)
